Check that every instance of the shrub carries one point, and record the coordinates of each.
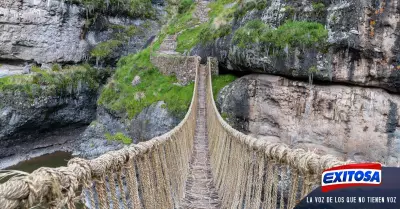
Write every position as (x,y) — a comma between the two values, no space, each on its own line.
(105,49)
(313,69)
(44,83)
(133,8)
(290,10)
(120,137)
(291,33)
(241,11)
(184,6)
(250,33)
(319,8)
(297,34)
(55,67)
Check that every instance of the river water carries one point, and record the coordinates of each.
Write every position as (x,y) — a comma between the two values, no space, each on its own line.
(52,160)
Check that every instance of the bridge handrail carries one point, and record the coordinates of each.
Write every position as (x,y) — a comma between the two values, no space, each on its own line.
(275,160)
(132,166)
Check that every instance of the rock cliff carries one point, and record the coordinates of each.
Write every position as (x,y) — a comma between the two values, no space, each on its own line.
(324,74)
(55,31)
(361,46)
(44,101)
(351,122)
(40,38)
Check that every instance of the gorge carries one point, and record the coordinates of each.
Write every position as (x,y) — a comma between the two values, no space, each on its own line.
(321,74)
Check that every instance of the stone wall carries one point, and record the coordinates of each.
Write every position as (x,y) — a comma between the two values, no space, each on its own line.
(214,65)
(183,67)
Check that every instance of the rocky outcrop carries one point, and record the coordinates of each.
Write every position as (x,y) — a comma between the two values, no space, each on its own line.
(44,101)
(59,32)
(363,39)
(59,139)
(21,117)
(153,121)
(351,122)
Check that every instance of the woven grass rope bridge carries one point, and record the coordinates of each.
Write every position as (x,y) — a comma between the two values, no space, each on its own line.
(202,163)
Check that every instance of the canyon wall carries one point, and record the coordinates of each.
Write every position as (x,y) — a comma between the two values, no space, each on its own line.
(363,42)
(341,98)
(54,31)
(347,121)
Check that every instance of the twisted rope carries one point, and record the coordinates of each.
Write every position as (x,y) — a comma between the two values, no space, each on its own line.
(226,144)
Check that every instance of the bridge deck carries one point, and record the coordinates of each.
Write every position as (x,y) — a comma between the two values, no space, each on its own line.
(200,191)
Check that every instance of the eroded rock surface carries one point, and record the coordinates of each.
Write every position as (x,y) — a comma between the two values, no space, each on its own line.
(363,36)
(153,121)
(58,32)
(348,121)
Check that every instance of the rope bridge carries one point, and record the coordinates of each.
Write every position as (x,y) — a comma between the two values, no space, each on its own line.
(180,169)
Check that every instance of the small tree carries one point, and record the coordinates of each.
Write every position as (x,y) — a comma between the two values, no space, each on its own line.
(104,49)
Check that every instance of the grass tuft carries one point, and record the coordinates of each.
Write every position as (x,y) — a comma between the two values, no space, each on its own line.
(292,34)
(119,94)
(120,137)
(220,82)
(66,81)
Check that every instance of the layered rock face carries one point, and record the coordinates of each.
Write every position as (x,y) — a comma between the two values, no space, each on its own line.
(56,31)
(363,39)
(351,122)
(151,122)
(44,31)
(22,119)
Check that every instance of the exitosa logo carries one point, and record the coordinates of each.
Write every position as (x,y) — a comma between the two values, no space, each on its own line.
(352,175)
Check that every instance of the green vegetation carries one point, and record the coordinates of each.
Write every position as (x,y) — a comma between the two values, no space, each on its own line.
(182,21)
(291,33)
(290,11)
(218,7)
(133,8)
(312,69)
(210,33)
(225,116)
(55,68)
(184,6)
(104,49)
(206,32)
(319,8)
(188,39)
(297,33)
(241,11)
(250,33)
(119,94)
(120,137)
(43,83)
(219,82)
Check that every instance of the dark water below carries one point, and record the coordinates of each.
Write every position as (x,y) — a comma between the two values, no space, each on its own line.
(52,160)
